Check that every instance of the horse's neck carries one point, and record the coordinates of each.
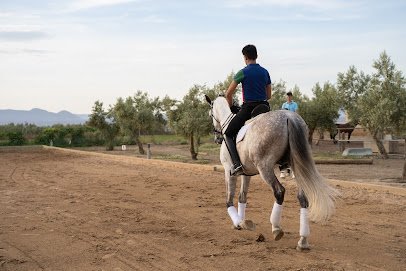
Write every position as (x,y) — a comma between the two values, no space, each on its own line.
(224,114)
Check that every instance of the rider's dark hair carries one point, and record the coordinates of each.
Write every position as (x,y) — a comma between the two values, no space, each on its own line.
(250,51)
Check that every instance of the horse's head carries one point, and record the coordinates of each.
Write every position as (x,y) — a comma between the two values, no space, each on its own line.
(214,114)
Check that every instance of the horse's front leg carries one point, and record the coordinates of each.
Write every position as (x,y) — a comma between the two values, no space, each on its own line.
(242,204)
(231,182)
(230,186)
(242,197)
(237,216)
(304,231)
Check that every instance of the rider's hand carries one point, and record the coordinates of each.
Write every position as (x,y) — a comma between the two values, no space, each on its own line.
(235,108)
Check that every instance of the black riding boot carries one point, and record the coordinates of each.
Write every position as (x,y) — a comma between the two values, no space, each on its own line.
(237,168)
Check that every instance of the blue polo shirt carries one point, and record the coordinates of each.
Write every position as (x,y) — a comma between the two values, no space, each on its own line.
(254,80)
(292,106)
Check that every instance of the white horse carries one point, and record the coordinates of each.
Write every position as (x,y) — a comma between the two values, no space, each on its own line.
(273,137)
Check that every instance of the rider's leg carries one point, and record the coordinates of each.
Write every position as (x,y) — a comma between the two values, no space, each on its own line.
(229,137)
(237,168)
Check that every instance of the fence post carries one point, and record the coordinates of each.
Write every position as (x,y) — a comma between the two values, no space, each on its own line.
(149,151)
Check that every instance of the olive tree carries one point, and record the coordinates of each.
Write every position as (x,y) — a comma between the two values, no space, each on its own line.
(375,101)
(320,111)
(135,115)
(351,86)
(383,105)
(105,122)
(190,118)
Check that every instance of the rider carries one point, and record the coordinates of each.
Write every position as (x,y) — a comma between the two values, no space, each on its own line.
(256,90)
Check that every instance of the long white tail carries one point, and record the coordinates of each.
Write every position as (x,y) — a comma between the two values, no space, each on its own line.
(320,194)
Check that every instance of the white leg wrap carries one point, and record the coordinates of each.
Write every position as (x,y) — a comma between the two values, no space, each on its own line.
(276,215)
(241,210)
(304,223)
(232,212)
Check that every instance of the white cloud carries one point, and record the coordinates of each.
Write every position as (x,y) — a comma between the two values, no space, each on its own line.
(317,4)
(86,4)
(22,35)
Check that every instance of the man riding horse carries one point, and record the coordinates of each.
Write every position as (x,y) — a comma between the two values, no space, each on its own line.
(256,90)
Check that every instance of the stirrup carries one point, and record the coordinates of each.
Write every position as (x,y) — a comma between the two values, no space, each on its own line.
(236,171)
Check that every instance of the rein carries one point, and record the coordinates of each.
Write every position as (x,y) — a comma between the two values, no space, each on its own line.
(226,123)
(218,134)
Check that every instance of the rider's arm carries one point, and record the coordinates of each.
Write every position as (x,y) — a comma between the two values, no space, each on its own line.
(268,91)
(230,92)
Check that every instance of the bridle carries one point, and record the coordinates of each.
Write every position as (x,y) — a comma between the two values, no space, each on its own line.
(219,133)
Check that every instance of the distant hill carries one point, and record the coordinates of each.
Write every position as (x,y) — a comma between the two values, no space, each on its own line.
(40,117)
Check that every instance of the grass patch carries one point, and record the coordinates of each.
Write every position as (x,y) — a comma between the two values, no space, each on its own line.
(181,158)
(170,157)
(174,140)
(209,147)
(164,139)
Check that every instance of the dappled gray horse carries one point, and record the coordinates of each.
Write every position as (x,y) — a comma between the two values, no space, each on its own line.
(270,138)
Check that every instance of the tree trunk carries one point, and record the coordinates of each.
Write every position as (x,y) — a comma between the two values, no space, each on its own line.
(192,147)
(310,139)
(404,164)
(110,146)
(321,134)
(139,144)
(380,146)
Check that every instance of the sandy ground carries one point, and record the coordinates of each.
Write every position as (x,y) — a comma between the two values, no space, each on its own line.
(70,210)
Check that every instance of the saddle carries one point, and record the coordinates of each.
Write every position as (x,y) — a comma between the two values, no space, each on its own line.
(258,110)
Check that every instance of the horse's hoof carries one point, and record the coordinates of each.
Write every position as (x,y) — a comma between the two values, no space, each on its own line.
(247,225)
(238,228)
(277,234)
(303,244)
(299,248)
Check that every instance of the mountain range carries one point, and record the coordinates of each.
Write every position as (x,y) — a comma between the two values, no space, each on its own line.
(40,117)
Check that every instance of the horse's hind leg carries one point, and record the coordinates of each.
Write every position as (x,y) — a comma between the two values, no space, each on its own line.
(304,231)
(279,192)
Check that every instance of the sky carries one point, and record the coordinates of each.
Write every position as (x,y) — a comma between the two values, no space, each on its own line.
(65,55)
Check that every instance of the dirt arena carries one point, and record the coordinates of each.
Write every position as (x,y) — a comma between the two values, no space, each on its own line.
(72,210)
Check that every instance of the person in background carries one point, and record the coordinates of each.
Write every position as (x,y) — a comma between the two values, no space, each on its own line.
(291,106)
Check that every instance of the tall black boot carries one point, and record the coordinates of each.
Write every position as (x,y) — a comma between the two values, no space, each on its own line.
(237,168)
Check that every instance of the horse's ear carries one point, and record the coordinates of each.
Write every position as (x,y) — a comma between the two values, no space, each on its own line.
(208,99)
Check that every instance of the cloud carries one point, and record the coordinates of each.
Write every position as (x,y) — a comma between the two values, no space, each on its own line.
(22,35)
(35,52)
(321,5)
(87,4)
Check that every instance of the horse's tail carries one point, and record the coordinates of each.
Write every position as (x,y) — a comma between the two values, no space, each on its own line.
(320,195)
